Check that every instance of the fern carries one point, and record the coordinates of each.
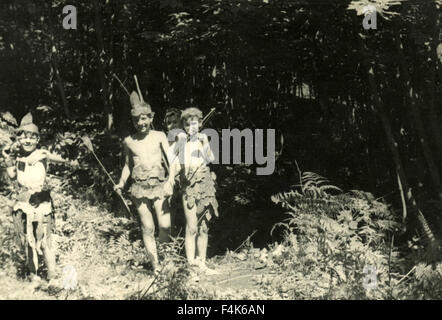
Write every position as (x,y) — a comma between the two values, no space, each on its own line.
(315,185)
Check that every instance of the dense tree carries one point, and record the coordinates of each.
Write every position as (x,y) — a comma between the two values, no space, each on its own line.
(307,68)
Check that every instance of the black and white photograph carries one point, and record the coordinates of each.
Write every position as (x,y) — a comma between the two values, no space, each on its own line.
(221,150)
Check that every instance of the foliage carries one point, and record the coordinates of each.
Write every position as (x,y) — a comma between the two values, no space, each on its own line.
(262,64)
(106,252)
(331,239)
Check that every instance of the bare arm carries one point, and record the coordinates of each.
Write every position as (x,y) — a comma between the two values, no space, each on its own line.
(125,173)
(56,158)
(12,172)
(207,151)
(166,154)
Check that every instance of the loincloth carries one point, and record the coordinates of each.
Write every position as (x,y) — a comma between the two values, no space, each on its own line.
(199,189)
(34,204)
(148,182)
(33,217)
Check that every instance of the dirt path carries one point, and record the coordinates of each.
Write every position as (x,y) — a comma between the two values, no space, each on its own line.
(235,279)
(105,266)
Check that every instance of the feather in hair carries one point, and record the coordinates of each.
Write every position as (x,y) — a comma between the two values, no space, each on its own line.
(27,119)
(134,99)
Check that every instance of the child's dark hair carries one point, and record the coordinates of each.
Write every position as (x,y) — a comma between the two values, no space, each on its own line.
(171,112)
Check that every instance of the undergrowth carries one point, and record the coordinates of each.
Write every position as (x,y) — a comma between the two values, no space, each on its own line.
(333,241)
(99,255)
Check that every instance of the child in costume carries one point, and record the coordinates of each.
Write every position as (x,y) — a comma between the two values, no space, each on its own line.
(198,188)
(144,152)
(31,203)
(172,123)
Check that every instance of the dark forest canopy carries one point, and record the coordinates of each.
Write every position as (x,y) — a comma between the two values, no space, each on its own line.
(362,107)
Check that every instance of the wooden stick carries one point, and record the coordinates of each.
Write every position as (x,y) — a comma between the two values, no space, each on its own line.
(154,280)
(113,182)
(300,176)
(247,239)
(404,205)
(236,278)
(138,88)
(88,143)
(412,269)
(203,122)
(121,83)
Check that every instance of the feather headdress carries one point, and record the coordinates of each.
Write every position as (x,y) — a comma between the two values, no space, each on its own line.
(139,106)
(26,124)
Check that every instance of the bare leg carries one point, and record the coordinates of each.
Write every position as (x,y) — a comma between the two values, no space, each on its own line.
(31,258)
(49,251)
(49,255)
(191,230)
(32,252)
(163,215)
(148,231)
(202,240)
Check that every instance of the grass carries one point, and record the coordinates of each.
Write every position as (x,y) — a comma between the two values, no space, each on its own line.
(109,260)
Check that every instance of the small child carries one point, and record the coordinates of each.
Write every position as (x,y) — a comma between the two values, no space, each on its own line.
(151,186)
(198,188)
(31,203)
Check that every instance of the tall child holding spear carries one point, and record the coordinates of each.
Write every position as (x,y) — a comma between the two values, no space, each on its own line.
(144,152)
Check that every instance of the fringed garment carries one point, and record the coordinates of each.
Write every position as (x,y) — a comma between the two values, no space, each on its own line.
(199,189)
(148,182)
(34,219)
(32,204)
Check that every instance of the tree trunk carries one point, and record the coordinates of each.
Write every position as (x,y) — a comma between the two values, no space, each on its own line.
(397,160)
(434,102)
(101,55)
(393,145)
(411,98)
(59,83)
(54,66)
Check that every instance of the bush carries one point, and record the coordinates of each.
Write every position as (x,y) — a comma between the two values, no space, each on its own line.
(332,242)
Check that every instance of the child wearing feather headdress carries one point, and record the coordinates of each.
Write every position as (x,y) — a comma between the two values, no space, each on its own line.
(31,203)
(144,153)
(197,187)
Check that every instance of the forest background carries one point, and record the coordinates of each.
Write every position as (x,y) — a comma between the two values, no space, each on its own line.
(360,107)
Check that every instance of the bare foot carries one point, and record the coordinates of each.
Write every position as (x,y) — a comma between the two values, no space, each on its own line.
(34,279)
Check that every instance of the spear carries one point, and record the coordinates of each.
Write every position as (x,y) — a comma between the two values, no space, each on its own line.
(121,84)
(138,88)
(206,118)
(88,143)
